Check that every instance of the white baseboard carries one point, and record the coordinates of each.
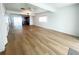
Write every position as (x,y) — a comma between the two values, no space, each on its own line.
(58,30)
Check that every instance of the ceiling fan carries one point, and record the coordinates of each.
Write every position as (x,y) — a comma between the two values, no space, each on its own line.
(27,11)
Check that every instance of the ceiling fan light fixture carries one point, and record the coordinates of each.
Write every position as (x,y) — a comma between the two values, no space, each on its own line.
(26,11)
(22,8)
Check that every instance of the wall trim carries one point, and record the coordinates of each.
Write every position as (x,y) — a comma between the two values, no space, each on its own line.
(57,31)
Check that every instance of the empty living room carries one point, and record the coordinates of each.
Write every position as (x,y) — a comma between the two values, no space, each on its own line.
(39,28)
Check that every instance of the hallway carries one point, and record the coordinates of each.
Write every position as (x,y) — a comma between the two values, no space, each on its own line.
(33,40)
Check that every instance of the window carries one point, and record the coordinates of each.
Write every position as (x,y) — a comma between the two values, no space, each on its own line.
(43,19)
(17,21)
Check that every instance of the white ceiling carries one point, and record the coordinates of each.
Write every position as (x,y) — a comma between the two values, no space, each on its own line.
(52,6)
(58,5)
(36,7)
(18,6)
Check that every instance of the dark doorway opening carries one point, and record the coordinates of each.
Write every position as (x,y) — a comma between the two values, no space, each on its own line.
(26,20)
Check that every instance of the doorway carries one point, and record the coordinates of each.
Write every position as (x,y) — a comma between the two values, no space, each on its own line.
(26,20)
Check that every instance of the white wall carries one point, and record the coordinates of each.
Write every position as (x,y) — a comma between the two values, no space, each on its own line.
(3,28)
(77,20)
(63,20)
(31,20)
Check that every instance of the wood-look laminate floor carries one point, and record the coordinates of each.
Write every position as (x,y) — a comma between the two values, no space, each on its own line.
(33,40)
